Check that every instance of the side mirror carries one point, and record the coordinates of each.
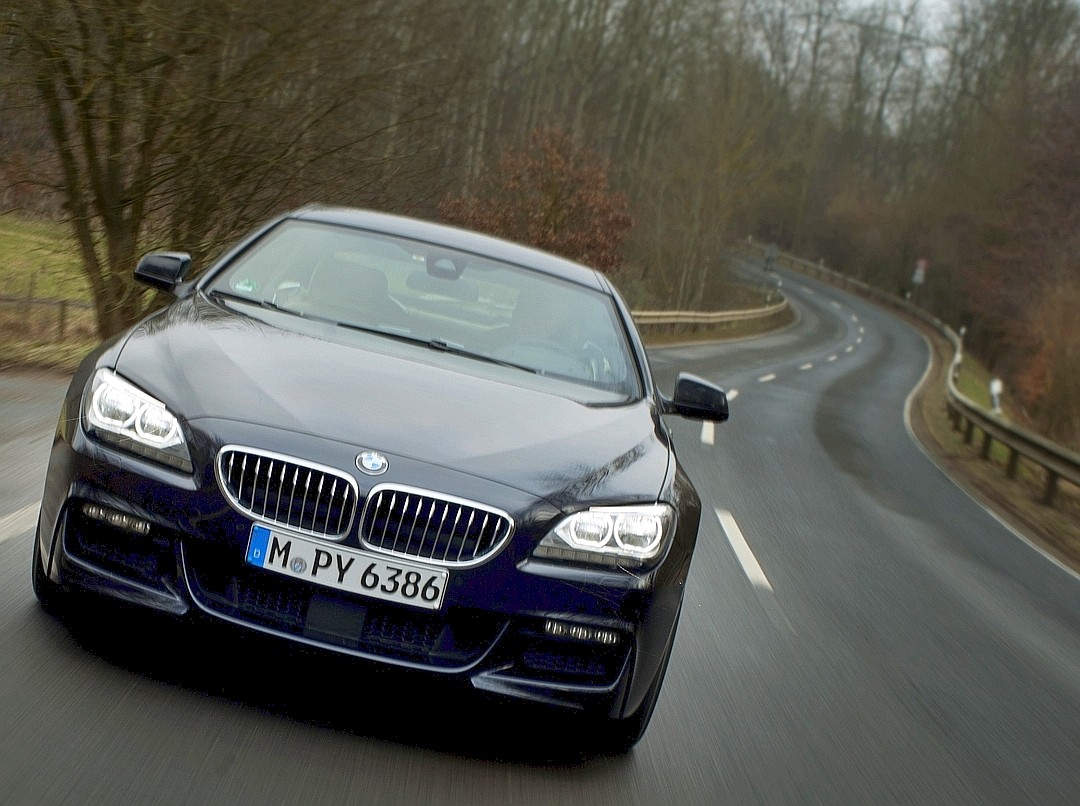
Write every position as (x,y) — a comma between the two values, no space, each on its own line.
(697,398)
(163,270)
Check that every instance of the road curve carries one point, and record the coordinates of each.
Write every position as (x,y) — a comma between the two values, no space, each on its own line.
(856,630)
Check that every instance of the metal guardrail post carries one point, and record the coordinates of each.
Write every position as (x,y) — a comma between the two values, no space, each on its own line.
(1051,488)
(1013,463)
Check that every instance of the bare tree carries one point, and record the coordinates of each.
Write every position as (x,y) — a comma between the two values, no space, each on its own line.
(183,121)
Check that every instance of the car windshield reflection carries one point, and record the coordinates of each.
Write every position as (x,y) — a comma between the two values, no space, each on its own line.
(463,304)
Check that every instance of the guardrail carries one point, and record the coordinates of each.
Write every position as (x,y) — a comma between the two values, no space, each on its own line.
(1057,461)
(690,321)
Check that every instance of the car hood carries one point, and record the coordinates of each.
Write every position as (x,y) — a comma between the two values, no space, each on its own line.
(206,362)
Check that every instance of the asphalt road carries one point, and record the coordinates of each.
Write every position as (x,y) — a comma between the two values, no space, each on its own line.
(856,630)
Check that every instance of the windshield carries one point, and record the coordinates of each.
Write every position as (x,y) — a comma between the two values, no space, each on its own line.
(452,301)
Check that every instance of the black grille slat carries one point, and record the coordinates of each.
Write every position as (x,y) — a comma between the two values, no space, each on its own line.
(416,523)
(290,492)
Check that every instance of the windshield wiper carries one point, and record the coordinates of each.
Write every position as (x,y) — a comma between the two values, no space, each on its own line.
(378,331)
(217,293)
(444,346)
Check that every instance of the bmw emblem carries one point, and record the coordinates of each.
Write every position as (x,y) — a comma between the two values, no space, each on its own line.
(372,462)
(298,566)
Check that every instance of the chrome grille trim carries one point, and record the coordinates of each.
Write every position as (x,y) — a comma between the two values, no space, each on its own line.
(294,493)
(425,525)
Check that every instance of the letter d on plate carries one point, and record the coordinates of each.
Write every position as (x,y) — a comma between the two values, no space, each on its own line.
(260,536)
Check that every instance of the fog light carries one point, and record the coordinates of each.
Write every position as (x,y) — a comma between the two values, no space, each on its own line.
(120,520)
(580,632)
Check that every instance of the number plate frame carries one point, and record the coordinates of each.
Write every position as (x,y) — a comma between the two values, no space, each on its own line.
(332,566)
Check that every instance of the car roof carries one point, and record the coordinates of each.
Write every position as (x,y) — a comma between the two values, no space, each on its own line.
(454,238)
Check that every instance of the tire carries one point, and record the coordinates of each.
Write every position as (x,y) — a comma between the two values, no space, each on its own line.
(52,597)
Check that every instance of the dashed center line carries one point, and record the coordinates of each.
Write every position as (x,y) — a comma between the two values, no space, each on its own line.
(831,357)
(849,348)
(734,393)
(745,556)
(752,569)
(805,367)
(854,318)
(858,340)
(766,378)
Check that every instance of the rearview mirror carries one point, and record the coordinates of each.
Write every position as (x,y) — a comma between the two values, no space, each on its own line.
(444,266)
(697,398)
(461,289)
(163,270)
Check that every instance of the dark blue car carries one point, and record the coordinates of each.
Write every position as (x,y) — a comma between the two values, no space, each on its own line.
(396,440)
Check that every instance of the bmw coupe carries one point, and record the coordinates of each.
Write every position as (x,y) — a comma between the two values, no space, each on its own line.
(401,441)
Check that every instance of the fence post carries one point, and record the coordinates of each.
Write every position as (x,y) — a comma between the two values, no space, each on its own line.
(30,308)
(1014,460)
(954,417)
(1051,488)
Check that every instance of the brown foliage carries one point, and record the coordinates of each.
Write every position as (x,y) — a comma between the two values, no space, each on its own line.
(1042,256)
(552,194)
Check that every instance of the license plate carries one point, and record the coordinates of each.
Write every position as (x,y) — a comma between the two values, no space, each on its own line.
(346,569)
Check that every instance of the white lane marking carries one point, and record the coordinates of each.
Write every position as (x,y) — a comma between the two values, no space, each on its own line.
(862,330)
(858,340)
(766,378)
(742,550)
(805,367)
(806,289)
(835,304)
(854,318)
(734,393)
(832,357)
(18,522)
(708,433)
(849,348)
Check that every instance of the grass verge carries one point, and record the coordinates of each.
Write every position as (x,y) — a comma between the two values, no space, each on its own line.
(62,357)
(39,259)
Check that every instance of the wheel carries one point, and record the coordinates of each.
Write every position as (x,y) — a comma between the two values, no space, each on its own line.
(50,596)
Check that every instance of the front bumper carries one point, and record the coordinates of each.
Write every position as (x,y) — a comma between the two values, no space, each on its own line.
(493,629)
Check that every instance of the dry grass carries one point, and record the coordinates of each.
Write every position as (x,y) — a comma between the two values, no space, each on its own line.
(39,259)
(62,357)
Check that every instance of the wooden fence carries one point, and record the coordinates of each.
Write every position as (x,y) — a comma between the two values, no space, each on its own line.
(46,320)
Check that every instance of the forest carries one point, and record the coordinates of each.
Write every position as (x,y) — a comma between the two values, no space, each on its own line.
(648,137)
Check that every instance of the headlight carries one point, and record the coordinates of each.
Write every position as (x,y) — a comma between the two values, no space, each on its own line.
(631,535)
(118,413)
